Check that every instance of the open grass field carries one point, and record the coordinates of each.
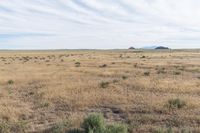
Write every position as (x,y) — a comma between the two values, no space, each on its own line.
(150,91)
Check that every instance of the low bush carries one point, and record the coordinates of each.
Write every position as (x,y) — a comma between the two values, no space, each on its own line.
(94,123)
(176,103)
(116,128)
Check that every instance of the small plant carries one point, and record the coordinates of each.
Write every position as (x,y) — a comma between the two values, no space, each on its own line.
(115,81)
(94,123)
(104,84)
(176,103)
(117,128)
(124,77)
(103,66)
(142,57)
(44,104)
(77,64)
(161,71)
(146,73)
(10,82)
(177,73)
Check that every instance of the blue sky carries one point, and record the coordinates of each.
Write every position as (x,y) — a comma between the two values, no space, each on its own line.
(104,24)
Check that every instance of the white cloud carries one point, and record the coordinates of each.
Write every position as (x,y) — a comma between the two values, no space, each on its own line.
(99,23)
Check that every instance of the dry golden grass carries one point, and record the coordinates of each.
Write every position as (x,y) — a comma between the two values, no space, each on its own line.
(41,88)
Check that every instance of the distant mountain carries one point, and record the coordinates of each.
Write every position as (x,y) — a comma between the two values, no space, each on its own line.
(161,47)
(155,47)
(149,47)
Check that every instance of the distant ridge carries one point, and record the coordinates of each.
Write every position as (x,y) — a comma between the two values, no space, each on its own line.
(161,47)
(149,47)
(155,47)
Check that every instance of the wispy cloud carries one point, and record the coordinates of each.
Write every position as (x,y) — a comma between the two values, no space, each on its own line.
(99,23)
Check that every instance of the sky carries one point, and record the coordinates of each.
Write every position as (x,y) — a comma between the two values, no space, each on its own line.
(99,24)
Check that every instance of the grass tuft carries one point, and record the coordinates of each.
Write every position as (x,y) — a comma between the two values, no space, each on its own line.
(176,103)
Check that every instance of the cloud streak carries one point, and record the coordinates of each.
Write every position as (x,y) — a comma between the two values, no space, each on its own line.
(41,24)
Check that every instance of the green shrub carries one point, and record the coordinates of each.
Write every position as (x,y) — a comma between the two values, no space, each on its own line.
(94,123)
(117,128)
(176,103)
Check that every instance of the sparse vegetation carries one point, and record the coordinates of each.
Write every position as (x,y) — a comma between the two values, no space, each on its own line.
(17,127)
(38,90)
(117,128)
